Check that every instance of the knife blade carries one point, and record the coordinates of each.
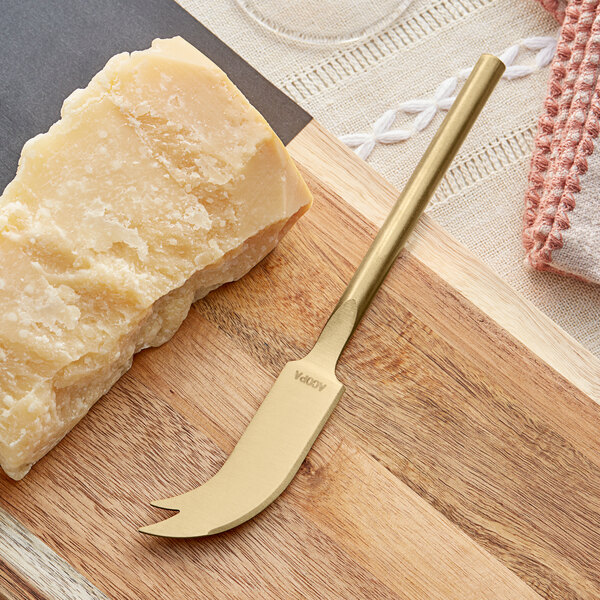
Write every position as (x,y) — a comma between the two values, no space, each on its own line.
(281,433)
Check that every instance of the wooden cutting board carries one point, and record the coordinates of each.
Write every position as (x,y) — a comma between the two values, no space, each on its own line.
(462,463)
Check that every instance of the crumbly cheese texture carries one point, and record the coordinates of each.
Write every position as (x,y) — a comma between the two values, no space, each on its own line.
(159,183)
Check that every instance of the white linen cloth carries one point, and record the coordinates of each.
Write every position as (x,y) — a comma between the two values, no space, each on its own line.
(349,86)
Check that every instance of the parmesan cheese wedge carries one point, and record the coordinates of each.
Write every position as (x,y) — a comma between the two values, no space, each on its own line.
(159,183)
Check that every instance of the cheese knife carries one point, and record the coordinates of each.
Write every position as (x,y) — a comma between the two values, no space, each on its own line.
(281,433)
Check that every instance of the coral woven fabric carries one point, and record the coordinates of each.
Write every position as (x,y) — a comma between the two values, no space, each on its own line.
(562,205)
(555,7)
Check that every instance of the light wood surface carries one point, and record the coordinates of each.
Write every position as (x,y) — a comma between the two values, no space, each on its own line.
(372,196)
(460,464)
(30,569)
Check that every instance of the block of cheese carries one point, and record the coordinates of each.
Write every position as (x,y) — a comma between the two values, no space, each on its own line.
(159,183)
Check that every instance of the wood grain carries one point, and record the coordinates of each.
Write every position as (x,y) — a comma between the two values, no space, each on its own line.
(334,167)
(29,570)
(418,552)
(460,463)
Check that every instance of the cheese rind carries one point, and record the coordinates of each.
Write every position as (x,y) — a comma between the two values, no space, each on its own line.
(159,183)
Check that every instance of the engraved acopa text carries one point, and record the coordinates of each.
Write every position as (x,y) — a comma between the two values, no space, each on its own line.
(311,381)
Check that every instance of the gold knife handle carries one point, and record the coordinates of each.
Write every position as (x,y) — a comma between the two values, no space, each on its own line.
(408,208)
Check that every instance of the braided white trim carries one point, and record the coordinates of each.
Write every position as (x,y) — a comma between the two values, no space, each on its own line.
(426,109)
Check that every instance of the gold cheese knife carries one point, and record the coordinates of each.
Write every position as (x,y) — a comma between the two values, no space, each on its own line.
(278,438)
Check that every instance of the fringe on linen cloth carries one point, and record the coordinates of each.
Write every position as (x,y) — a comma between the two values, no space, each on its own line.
(561,229)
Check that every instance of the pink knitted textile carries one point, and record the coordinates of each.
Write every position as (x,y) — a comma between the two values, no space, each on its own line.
(561,180)
(555,7)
